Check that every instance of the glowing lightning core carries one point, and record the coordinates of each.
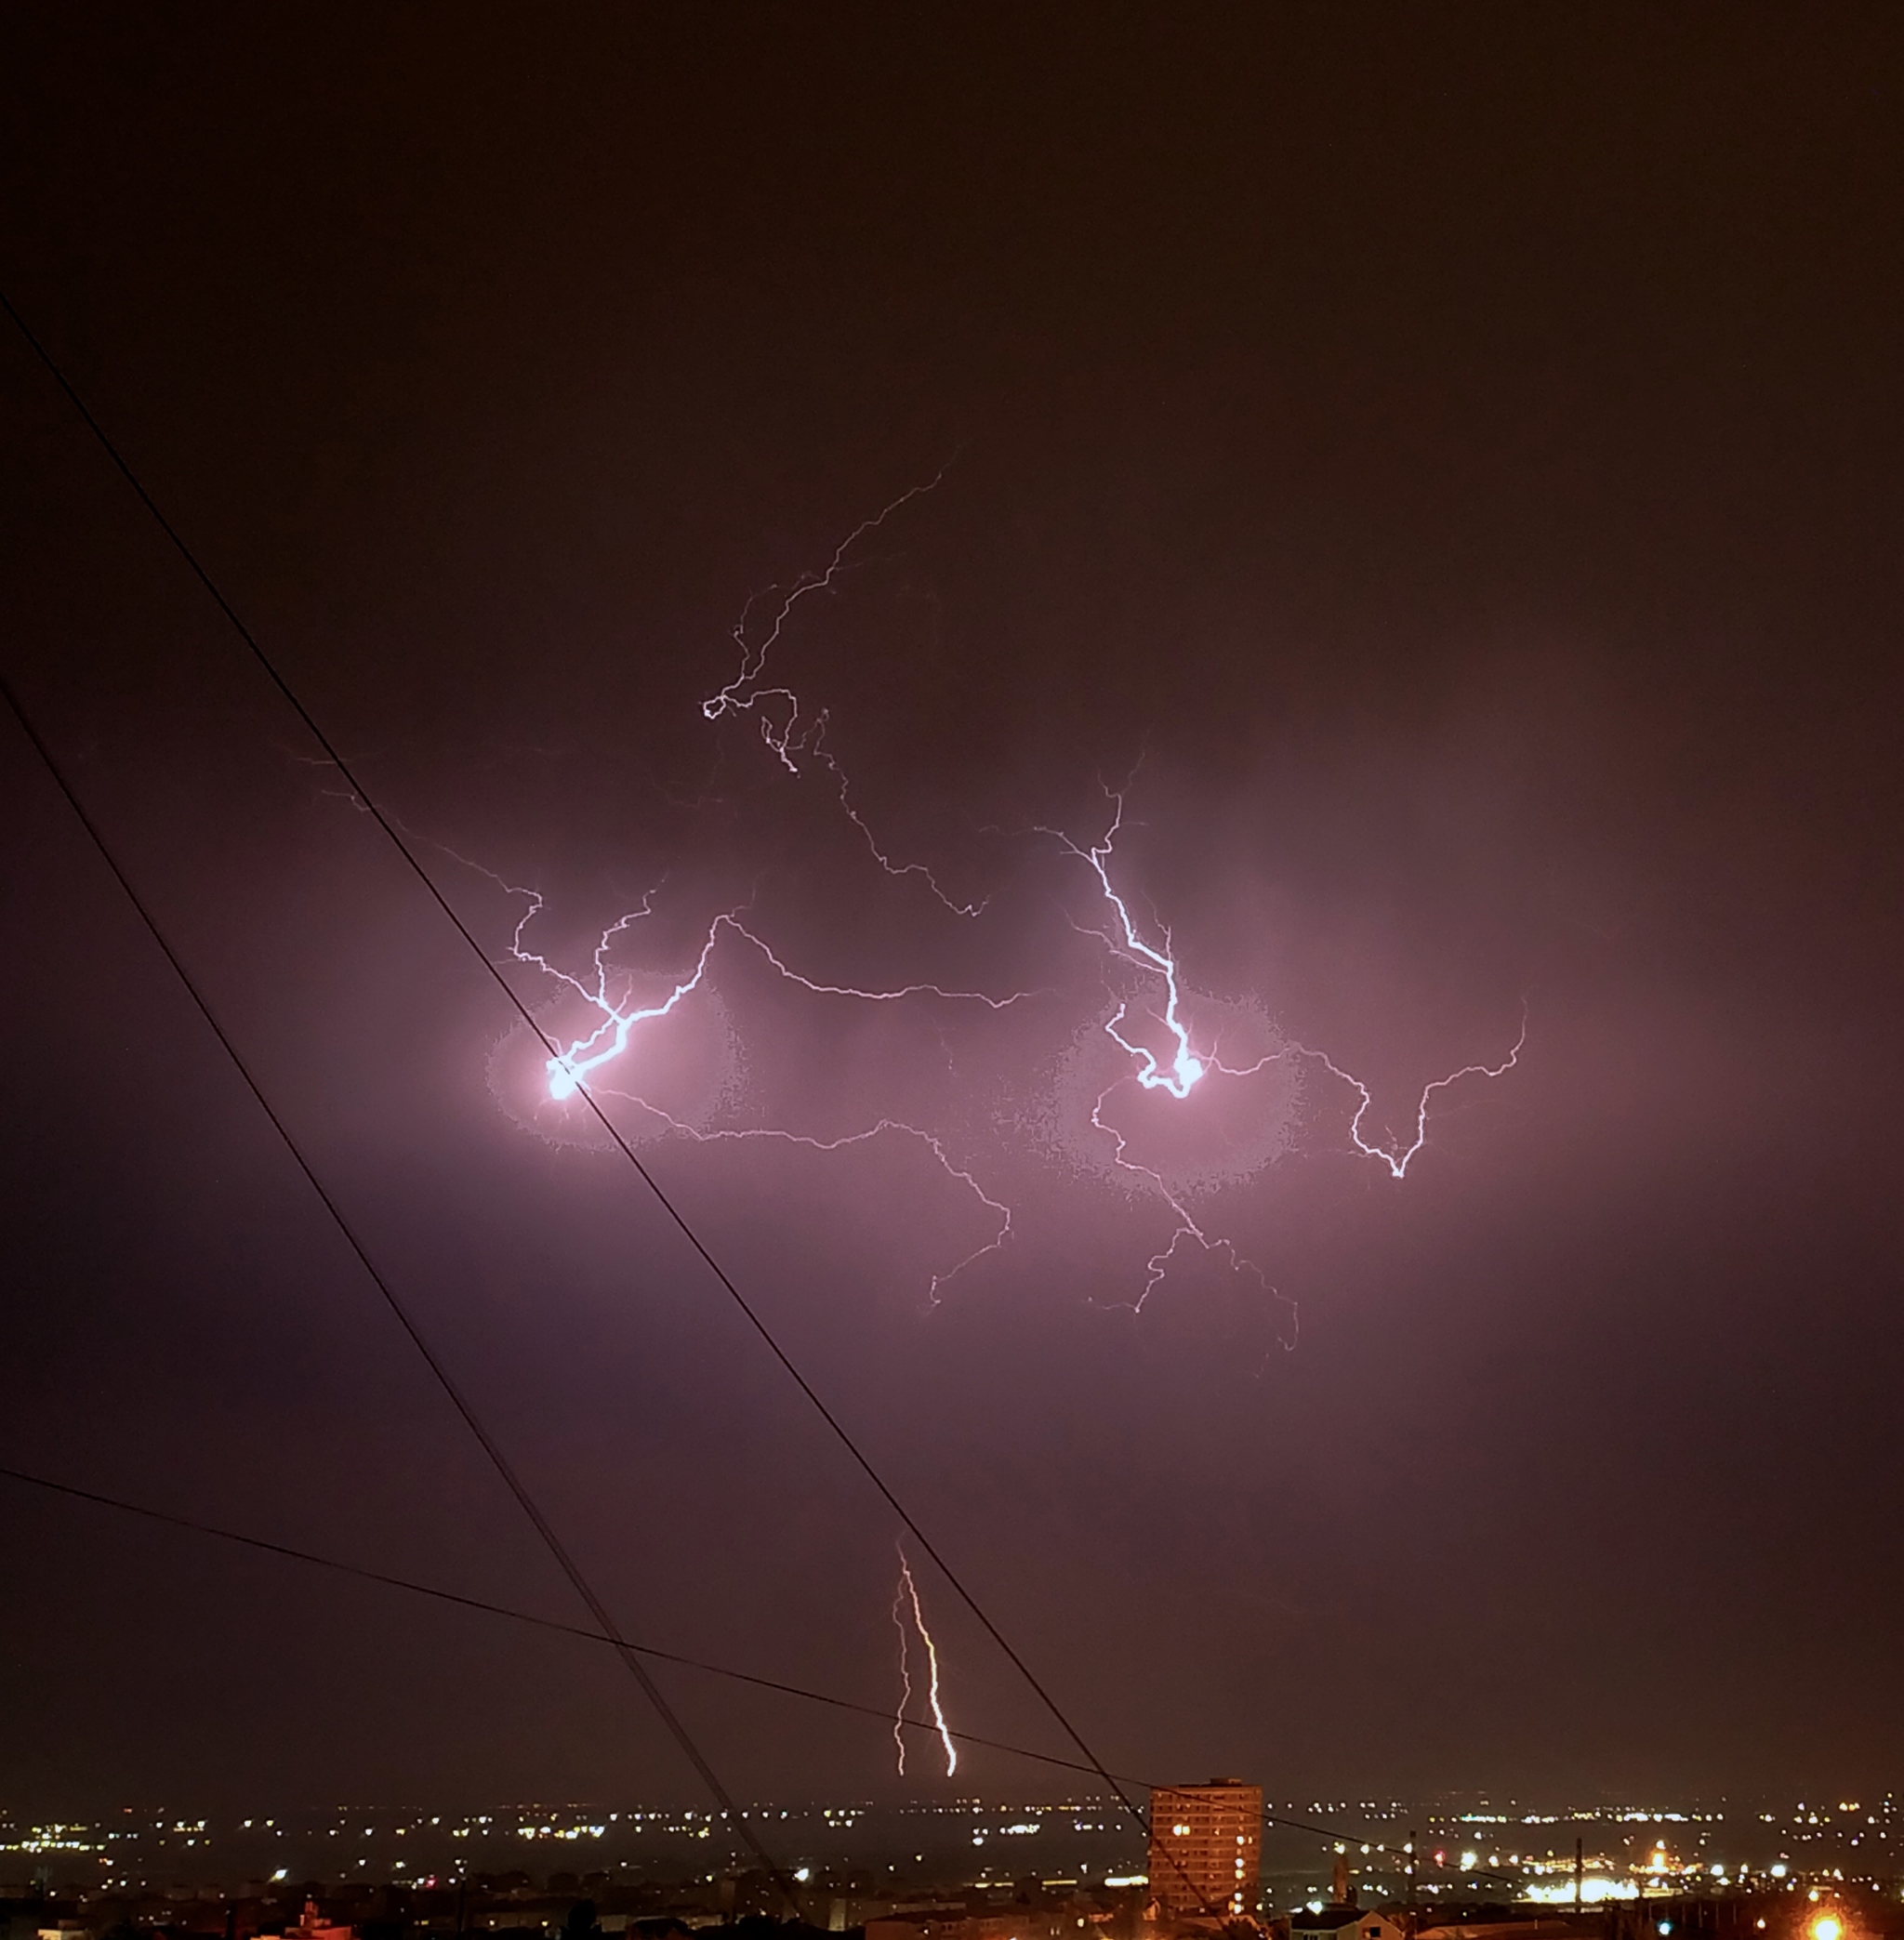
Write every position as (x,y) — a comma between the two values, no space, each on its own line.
(1188,1067)
(609,1039)
(567,1072)
(905,1604)
(1185,1067)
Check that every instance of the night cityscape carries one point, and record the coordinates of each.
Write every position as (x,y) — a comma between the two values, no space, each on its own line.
(952,956)
(953,1868)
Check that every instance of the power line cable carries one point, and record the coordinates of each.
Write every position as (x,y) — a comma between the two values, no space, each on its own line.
(522,1008)
(498,1460)
(609,1632)
(932,1727)
(172,1520)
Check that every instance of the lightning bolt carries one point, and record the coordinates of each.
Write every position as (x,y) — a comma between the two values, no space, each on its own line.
(905,1604)
(577,1066)
(788,729)
(1394,1155)
(1175,1063)
(774,1135)
(899,1624)
(1391,1155)
(609,1039)
(1187,1227)
(1184,1071)
(1188,1067)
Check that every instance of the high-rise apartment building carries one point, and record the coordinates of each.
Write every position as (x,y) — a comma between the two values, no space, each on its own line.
(1206,1847)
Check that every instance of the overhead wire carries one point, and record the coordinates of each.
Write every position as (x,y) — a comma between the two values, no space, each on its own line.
(609,1632)
(516,1003)
(461,1600)
(458,1400)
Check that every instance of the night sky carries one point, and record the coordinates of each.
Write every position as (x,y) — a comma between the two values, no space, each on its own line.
(1441,464)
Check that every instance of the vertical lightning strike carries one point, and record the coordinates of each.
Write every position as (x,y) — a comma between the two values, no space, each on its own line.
(905,1603)
(1185,1070)
(899,1624)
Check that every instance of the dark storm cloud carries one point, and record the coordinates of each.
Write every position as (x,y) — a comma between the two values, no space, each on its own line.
(1448,471)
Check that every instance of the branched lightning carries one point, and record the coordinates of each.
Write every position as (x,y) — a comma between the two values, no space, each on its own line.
(1187,1227)
(908,1608)
(774,1135)
(1177,1062)
(617,1019)
(792,733)
(874,996)
(1188,1067)
(1394,1155)
(1185,1070)
(610,1036)
(609,1039)
(568,1069)
(1185,1066)
(584,1057)
(1391,1155)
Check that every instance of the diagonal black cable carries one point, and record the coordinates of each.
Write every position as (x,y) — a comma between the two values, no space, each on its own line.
(517,1487)
(930,1725)
(516,1003)
(172,1520)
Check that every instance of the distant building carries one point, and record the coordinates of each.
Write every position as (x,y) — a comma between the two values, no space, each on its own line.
(1206,1848)
(1537,1927)
(1070,1918)
(312,1925)
(1344,1921)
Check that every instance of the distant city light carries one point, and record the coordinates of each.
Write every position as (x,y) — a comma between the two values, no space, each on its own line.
(1594,1888)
